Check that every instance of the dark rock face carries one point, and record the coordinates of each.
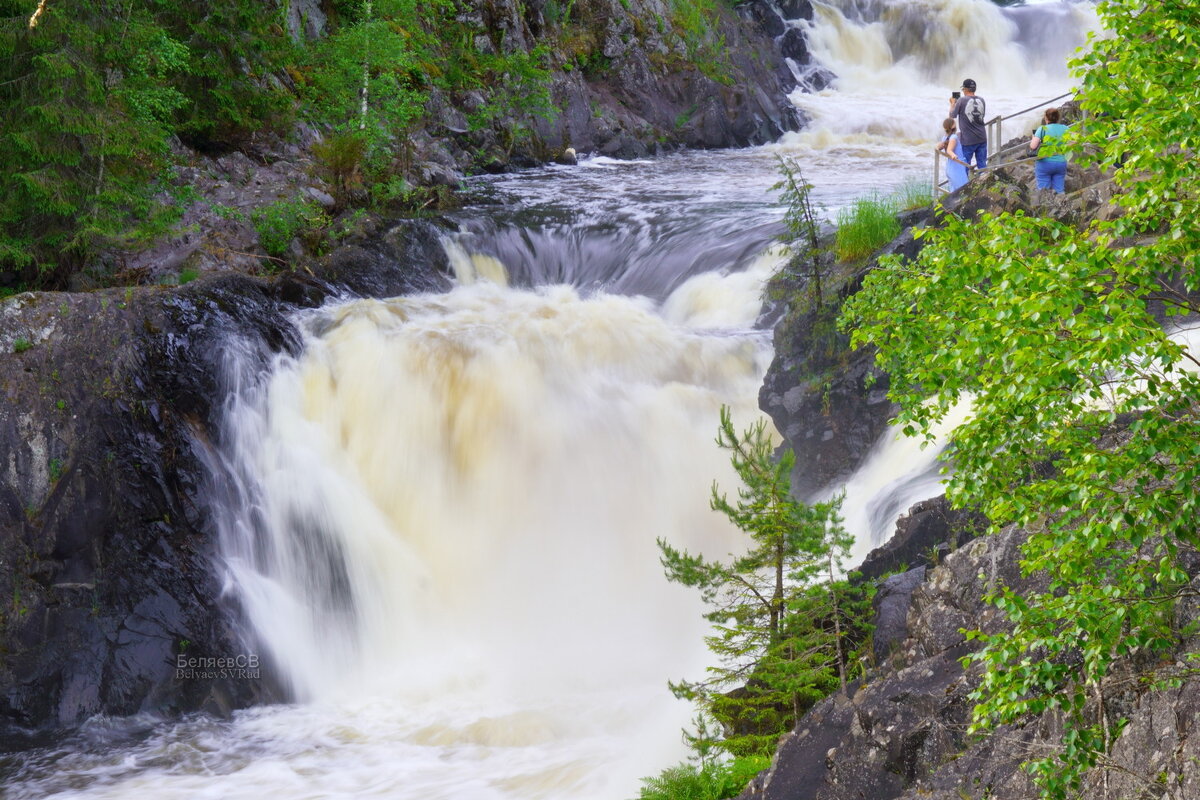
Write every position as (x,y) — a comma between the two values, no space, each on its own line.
(891,603)
(634,86)
(380,265)
(793,45)
(900,733)
(929,527)
(110,412)
(889,734)
(829,402)
(796,9)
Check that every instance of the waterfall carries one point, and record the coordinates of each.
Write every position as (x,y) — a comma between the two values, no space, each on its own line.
(455,501)
(440,517)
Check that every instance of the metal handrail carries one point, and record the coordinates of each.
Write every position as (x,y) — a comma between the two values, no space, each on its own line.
(1032,108)
(995,125)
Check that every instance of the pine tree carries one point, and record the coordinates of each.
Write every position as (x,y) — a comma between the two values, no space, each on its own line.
(778,610)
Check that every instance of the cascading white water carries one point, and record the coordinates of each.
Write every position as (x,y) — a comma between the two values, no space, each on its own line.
(471,483)
(444,538)
(447,548)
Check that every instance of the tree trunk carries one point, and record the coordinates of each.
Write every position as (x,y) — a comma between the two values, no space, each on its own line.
(364,92)
(837,624)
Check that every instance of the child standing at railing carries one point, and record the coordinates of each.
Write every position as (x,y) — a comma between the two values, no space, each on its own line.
(956,168)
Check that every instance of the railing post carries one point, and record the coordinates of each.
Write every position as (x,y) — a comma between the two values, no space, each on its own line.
(937,161)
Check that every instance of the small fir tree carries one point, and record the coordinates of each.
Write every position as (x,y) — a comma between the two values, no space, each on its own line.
(778,610)
(801,222)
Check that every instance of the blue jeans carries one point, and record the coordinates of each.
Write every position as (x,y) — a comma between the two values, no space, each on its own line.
(977,150)
(1050,174)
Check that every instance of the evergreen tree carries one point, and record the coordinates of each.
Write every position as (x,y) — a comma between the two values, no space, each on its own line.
(778,610)
(236,50)
(801,222)
(88,104)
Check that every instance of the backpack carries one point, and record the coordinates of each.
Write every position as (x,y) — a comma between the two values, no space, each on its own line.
(973,110)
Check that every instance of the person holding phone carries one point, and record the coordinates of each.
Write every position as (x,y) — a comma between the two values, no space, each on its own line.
(1051,165)
(969,111)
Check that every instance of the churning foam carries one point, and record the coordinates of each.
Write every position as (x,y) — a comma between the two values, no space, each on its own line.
(453,542)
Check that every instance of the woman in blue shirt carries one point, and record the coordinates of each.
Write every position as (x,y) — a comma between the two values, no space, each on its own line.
(1051,164)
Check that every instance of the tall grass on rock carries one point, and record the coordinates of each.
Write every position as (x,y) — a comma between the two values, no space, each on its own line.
(866,225)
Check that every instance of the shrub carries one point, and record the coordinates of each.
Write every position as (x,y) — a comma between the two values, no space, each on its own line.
(280,222)
(339,162)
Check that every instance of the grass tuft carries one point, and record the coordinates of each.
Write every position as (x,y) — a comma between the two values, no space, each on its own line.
(865,226)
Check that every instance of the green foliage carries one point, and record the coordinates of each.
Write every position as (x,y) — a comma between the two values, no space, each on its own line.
(695,23)
(21,345)
(234,48)
(865,226)
(1084,427)
(778,610)
(187,275)
(340,161)
(88,101)
(280,222)
(366,80)
(369,82)
(710,781)
(914,193)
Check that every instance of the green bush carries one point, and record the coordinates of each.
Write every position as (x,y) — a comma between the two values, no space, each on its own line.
(711,781)
(280,222)
(865,226)
(696,23)
(339,160)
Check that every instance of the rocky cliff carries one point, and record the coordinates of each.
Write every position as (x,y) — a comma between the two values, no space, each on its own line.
(108,429)
(625,80)
(901,731)
(633,79)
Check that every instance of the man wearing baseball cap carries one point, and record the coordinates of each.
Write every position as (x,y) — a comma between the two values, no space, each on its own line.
(970,111)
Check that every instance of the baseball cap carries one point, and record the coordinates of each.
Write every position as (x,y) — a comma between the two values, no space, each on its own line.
(968,84)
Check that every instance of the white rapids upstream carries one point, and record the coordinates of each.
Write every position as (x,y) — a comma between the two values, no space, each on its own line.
(444,510)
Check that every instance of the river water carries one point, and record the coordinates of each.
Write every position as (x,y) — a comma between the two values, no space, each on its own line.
(441,517)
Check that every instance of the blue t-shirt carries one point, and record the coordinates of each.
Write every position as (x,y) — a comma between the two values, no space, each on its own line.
(1051,135)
